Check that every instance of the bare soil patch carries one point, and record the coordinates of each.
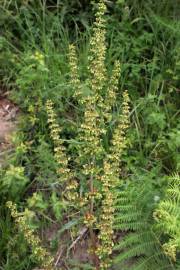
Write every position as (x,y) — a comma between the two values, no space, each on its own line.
(8,124)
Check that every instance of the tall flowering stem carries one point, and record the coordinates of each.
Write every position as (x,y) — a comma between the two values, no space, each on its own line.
(97,55)
(60,156)
(110,96)
(43,257)
(74,76)
(65,175)
(91,150)
(110,179)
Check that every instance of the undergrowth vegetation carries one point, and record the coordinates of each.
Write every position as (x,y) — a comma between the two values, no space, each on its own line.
(92,181)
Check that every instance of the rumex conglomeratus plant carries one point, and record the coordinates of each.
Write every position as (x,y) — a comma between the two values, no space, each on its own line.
(99,165)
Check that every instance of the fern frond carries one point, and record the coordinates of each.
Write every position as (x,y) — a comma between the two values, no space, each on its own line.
(130,216)
(129,226)
(136,250)
(156,261)
(139,248)
(167,216)
(132,238)
(126,207)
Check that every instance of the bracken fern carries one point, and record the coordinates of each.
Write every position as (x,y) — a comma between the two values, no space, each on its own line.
(139,248)
(167,216)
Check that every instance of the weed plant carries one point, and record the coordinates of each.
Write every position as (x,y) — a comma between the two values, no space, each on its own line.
(144,37)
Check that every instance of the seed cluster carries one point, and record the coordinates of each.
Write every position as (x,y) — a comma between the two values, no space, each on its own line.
(74,76)
(64,173)
(40,253)
(97,55)
(112,91)
(110,179)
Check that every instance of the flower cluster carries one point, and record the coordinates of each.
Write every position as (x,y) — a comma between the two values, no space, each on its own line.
(40,254)
(89,136)
(89,219)
(70,192)
(105,225)
(59,149)
(73,63)
(112,90)
(110,179)
(39,57)
(97,55)
(64,173)
(118,140)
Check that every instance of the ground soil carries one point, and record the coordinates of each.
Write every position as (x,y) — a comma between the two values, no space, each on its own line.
(8,124)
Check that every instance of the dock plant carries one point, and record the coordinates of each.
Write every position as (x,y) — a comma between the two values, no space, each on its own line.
(99,166)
